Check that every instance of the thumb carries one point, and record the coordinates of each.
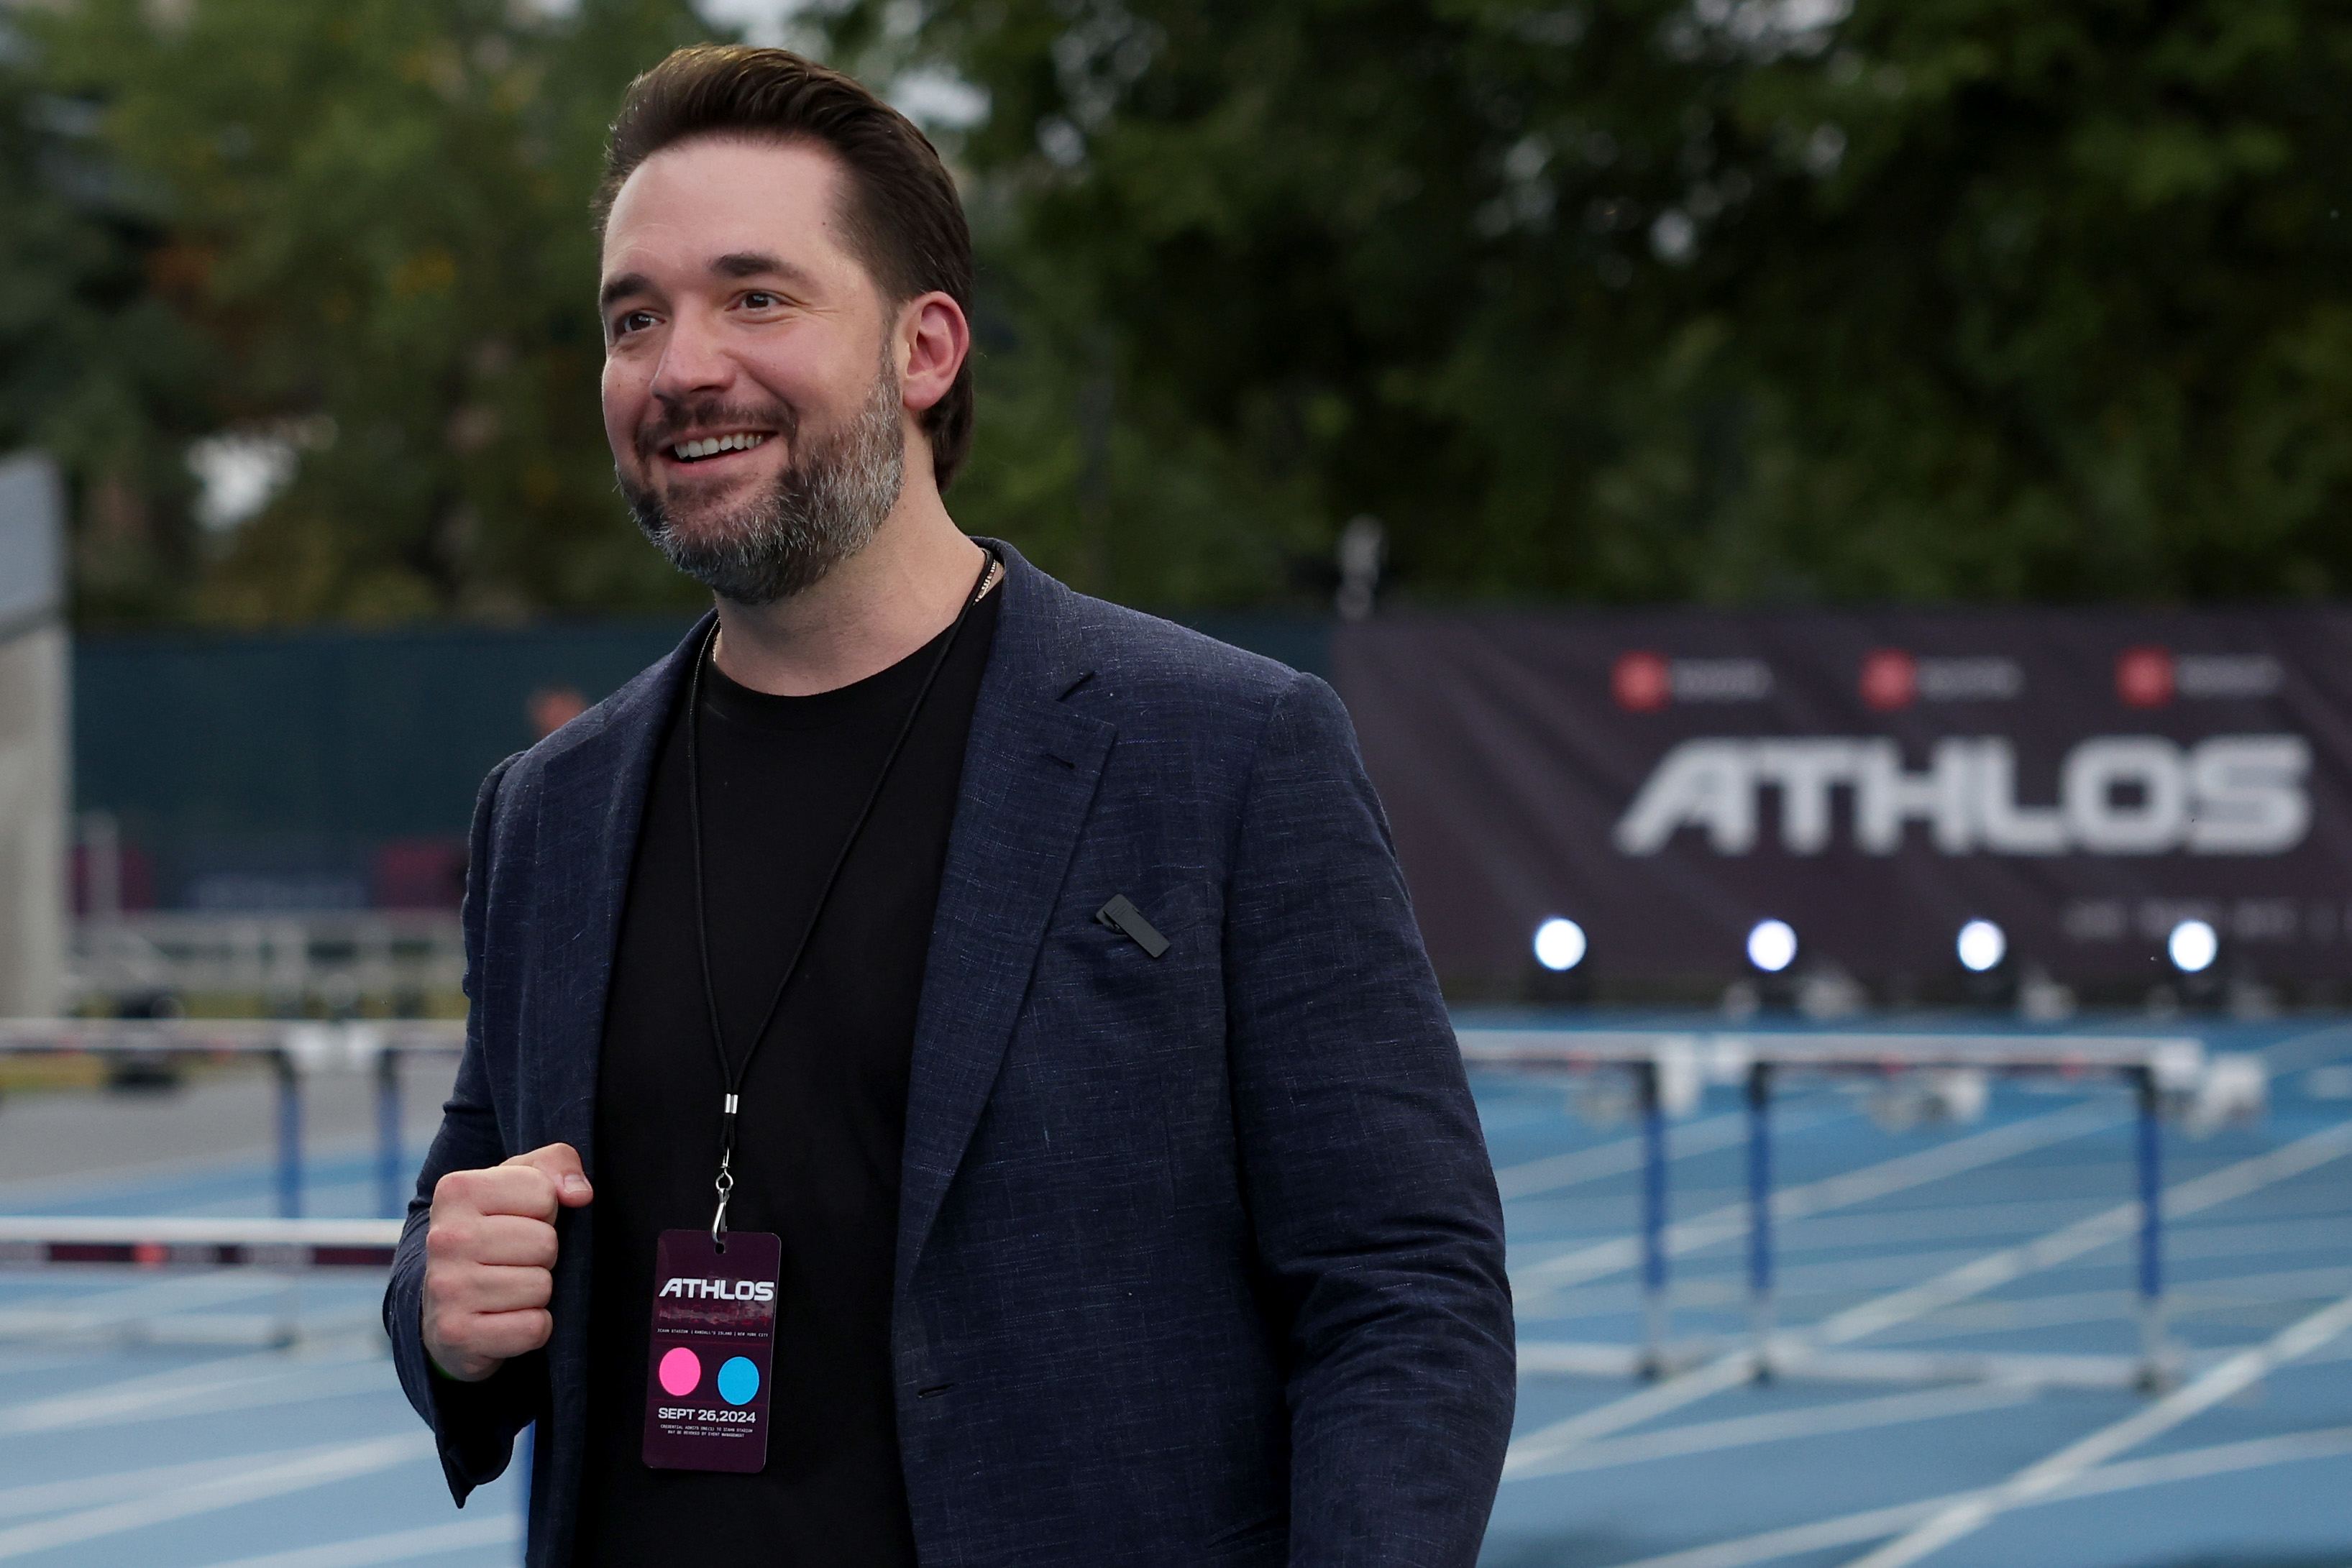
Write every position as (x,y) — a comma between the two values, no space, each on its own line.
(560,1163)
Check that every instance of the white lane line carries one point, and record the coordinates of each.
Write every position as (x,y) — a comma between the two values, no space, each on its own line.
(1880,1227)
(338,1383)
(2189,1464)
(154,1298)
(2306,1050)
(1998,1269)
(1988,1272)
(2181,1296)
(1554,1172)
(2240,1372)
(337,1464)
(1535,1280)
(2203,1298)
(236,1382)
(2209,1238)
(51,1497)
(1784,1425)
(400,1546)
(62,1358)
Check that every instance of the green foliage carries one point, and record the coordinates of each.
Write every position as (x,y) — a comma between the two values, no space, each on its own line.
(1618,300)
(373,216)
(93,365)
(1631,301)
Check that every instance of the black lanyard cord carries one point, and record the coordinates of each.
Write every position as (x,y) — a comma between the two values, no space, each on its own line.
(730,1073)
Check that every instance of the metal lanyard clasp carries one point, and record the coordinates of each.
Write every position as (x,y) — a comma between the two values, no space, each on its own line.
(725,1184)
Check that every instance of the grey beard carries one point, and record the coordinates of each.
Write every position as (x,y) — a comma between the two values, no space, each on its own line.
(822,509)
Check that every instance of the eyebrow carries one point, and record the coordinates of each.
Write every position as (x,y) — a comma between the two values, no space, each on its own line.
(734,263)
(758,264)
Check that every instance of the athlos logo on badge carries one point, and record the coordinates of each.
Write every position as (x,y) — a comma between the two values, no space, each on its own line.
(721,1289)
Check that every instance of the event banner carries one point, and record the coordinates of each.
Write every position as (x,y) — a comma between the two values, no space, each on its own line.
(2085,779)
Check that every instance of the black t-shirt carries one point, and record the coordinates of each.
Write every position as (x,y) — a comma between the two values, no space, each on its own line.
(823,1109)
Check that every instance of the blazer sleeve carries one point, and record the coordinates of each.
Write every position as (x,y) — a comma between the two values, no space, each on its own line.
(474,1424)
(1366,1174)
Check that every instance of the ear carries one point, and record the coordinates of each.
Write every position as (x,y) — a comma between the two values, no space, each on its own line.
(933,340)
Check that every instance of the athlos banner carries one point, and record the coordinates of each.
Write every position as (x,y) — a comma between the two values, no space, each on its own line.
(2085,779)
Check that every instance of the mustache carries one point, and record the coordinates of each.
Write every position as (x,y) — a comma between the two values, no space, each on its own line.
(677,418)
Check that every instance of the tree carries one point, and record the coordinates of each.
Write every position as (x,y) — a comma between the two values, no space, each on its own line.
(1616,300)
(1636,300)
(375,215)
(95,366)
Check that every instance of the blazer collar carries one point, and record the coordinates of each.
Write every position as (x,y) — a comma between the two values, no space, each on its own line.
(1031,766)
(595,784)
(1030,771)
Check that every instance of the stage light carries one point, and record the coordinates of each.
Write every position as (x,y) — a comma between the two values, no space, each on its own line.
(1772,945)
(1559,943)
(2192,946)
(1983,946)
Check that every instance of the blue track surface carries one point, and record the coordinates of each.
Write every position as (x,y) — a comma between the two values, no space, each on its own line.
(2246,1485)
(194,1454)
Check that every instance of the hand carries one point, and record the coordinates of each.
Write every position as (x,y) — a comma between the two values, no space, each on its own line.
(490,1253)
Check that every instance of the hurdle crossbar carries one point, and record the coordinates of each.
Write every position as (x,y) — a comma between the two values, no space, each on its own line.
(296,1049)
(161,1241)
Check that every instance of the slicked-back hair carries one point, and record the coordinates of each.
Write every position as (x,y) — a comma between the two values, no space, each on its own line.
(900,210)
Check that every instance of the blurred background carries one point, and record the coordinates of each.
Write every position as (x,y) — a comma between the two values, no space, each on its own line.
(1834,520)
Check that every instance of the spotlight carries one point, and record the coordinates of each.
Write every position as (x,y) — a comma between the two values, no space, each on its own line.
(2192,946)
(1983,946)
(1559,943)
(1772,945)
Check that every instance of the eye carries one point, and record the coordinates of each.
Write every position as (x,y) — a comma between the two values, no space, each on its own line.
(630,321)
(761,299)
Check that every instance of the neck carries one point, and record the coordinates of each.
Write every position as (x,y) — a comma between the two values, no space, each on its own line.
(905,588)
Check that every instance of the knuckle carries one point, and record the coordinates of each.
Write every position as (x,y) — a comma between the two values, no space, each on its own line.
(453,1242)
(455,1187)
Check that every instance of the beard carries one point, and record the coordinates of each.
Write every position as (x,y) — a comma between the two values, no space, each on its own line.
(821,509)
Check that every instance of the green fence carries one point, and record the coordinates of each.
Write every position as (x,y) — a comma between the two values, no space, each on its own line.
(337,768)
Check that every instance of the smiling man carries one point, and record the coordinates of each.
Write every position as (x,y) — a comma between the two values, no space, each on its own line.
(952,1076)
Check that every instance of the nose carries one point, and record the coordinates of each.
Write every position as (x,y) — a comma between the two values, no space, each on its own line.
(693,362)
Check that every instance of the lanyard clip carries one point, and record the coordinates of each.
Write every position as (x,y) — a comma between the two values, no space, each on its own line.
(726,1182)
(726,1185)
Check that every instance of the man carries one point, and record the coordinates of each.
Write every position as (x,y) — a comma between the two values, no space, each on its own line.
(982,1024)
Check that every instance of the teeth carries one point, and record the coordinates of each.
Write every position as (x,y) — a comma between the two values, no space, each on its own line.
(687,451)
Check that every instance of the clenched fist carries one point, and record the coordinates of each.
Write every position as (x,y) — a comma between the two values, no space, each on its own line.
(490,1253)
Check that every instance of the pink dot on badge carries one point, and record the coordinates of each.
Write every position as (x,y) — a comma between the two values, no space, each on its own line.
(679,1372)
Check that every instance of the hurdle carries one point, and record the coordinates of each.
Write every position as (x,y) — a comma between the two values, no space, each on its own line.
(1670,1070)
(282,1251)
(297,1049)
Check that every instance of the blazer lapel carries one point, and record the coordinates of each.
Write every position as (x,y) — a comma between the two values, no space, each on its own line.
(1029,774)
(593,804)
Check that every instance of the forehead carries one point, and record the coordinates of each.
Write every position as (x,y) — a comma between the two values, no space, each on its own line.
(710,196)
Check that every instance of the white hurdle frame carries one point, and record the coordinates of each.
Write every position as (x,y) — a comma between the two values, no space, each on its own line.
(1667,1065)
(295,1048)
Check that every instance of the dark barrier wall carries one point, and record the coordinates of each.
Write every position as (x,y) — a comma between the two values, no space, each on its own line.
(2086,779)
(337,769)
(309,770)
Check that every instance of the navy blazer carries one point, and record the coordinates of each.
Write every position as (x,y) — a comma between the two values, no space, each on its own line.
(1199,1259)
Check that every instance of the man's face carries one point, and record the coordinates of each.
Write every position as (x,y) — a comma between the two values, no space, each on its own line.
(751,387)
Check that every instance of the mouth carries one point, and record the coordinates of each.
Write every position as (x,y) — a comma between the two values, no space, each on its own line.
(706,449)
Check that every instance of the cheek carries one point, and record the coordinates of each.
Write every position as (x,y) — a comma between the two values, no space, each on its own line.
(624,399)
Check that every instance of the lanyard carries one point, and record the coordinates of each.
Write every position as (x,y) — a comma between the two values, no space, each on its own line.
(728,1071)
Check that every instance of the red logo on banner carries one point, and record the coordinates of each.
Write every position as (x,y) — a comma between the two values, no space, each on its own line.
(1890,679)
(1642,682)
(2144,677)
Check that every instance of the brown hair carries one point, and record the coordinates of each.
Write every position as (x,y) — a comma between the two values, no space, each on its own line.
(899,208)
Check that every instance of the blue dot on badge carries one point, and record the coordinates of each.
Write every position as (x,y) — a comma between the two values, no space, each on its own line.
(738,1380)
